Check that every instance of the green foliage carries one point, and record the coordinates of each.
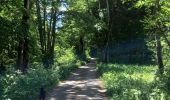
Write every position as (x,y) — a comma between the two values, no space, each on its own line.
(66,60)
(7,40)
(26,87)
(66,69)
(86,26)
(157,19)
(165,80)
(1,88)
(17,86)
(131,82)
(78,27)
(65,56)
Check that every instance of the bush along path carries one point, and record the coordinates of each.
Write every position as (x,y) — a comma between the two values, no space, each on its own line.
(83,84)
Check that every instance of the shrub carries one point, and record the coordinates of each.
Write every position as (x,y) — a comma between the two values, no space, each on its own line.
(66,69)
(67,61)
(17,86)
(66,57)
(26,87)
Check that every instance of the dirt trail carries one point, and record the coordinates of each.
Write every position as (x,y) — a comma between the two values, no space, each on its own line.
(83,84)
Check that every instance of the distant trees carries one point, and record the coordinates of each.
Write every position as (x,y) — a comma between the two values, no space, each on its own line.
(78,26)
(31,28)
(47,15)
(120,21)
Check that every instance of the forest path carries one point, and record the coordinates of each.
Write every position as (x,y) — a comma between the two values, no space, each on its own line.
(83,84)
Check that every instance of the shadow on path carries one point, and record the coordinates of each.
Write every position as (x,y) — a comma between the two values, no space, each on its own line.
(83,84)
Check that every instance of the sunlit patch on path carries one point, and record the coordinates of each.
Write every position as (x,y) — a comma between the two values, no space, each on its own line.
(83,84)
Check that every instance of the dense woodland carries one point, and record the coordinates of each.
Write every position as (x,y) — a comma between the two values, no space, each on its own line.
(42,41)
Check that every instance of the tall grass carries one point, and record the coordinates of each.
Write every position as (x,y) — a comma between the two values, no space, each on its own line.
(132,82)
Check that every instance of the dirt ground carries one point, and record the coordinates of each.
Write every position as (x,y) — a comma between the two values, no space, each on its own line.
(83,84)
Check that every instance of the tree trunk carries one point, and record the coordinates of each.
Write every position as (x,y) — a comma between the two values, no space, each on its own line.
(159,54)
(108,33)
(23,56)
(44,29)
(158,42)
(40,27)
(20,54)
(47,30)
(53,37)
(82,47)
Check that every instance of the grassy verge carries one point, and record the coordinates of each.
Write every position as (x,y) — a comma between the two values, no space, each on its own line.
(16,86)
(131,82)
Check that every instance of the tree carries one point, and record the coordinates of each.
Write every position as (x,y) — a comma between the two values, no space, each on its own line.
(158,42)
(157,22)
(23,47)
(47,28)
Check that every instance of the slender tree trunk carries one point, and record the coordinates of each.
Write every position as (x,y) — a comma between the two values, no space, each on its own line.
(54,37)
(109,32)
(23,48)
(50,30)
(159,54)
(25,55)
(20,53)
(47,30)
(40,27)
(41,30)
(108,12)
(82,47)
(44,29)
(158,42)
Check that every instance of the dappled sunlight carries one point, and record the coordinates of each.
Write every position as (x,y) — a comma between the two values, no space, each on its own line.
(85,49)
(132,82)
(83,84)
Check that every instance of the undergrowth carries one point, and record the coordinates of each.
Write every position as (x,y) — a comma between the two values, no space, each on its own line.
(17,86)
(132,82)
